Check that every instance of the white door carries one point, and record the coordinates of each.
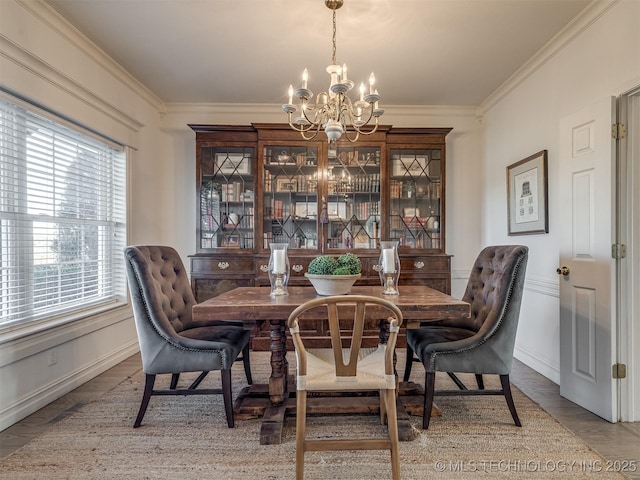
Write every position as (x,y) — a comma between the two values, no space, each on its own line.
(587,284)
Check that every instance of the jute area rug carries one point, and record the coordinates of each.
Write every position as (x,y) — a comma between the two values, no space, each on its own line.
(187,438)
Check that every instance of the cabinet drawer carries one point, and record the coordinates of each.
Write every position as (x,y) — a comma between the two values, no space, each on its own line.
(221,265)
(425,264)
(297,267)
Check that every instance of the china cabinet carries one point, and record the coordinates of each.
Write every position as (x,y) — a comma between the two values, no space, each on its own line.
(262,184)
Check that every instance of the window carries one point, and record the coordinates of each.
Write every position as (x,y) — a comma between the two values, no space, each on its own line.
(62,217)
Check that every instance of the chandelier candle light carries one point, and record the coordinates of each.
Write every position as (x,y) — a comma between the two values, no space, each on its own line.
(334,111)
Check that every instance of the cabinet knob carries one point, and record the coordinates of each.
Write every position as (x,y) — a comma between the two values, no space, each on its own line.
(223,265)
(264,268)
(418,264)
(377,268)
(297,268)
(563,271)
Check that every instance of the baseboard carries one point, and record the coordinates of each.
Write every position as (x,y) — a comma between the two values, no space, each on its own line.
(552,372)
(51,392)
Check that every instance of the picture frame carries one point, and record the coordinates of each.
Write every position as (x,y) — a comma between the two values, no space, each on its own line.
(286,185)
(413,165)
(527,195)
(410,212)
(231,241)
(233,164)
(337,210)
(306,209)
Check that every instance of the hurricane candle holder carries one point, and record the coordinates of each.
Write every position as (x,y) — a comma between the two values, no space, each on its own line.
(389,267)
(278,269)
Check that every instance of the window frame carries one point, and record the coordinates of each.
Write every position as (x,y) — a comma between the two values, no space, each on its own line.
(22,232)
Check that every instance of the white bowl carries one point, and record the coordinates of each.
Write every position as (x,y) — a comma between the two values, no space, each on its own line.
(332,284)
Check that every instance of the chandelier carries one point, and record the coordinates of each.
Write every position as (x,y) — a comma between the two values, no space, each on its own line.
(334,111)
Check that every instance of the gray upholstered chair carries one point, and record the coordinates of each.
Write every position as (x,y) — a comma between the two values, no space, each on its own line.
(484,342)
(170,341)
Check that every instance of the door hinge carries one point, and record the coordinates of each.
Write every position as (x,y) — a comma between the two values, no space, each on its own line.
(618,251)
(618,130)
(619,370)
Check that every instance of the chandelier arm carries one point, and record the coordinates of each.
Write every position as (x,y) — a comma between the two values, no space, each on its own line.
(306,117)
(348,112)
(312,136)
(354,139)
(374,130)
(348,108)
(302,129)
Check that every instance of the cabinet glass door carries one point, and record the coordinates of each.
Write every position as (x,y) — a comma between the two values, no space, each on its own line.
(290,196)
(226,198)
(415,198)
(353,200)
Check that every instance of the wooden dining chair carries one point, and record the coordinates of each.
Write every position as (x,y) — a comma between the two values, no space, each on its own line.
(347,369)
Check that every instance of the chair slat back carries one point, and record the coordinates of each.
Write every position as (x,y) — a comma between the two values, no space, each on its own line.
(333,304)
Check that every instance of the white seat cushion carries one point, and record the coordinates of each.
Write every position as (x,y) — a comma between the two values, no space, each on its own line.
(370,374)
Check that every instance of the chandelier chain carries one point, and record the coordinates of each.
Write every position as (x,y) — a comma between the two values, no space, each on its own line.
(333,56)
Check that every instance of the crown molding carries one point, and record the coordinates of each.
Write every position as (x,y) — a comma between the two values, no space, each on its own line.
(49,74)
(271,109)
(175,116)
(586,18)
(48,15)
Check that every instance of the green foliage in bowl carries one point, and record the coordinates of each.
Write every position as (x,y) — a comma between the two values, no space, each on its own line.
(350,262)
(345,264)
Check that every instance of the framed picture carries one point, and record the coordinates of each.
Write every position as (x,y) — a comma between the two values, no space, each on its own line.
(415,166)
(231,241)
(286,185)
(337,210)
(410,212)
(233,164)
(306,209)
(527,202)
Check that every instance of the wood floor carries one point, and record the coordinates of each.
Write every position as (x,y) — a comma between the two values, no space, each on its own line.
(615,442)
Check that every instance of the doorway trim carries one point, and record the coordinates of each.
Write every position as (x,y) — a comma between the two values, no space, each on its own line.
(628,271)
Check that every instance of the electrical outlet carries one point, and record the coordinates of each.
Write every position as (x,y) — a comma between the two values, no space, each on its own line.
(53,357)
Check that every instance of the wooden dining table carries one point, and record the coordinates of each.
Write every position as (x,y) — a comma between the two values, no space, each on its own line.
(254,306)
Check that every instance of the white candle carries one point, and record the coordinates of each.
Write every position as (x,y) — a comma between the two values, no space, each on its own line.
(344,72)
(372,81)
(279,262)
(305,77)
(290,94)
(388,261)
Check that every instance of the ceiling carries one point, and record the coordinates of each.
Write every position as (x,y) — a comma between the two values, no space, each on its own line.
(423,52)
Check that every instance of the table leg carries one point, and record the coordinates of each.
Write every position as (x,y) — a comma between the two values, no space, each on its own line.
(279,370)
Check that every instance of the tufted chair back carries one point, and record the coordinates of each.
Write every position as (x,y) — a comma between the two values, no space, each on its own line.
(490,285)
(163,279)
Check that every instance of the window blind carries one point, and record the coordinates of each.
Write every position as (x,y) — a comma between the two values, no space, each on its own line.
(62,217)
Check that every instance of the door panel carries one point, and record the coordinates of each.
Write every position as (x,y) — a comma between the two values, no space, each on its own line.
(587,231)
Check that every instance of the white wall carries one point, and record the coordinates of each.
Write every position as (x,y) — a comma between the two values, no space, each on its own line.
(600,58)
(45,60)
